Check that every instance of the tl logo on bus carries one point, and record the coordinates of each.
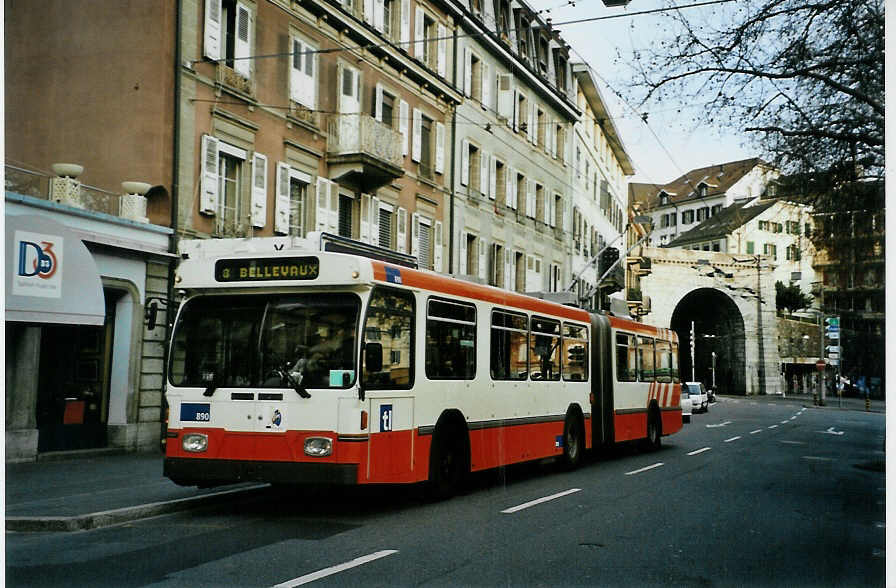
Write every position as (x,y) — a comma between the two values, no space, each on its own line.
(37,264)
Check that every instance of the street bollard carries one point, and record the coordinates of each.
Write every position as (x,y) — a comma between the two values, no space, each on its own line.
(815,398)
(867,404)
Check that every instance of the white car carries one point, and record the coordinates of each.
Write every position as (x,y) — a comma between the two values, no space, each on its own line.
(685,404)
(699,396)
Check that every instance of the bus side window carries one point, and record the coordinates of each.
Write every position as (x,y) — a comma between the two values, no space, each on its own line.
(663,361)
(450,340)
(673,362)
(575,353)
(509,344)
(390,323)
(545,349)
(646,359)
(626,358)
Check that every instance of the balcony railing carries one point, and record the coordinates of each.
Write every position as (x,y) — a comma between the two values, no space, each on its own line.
(37,185)
(362,134)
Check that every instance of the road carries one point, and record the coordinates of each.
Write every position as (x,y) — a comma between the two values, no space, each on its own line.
(754,493)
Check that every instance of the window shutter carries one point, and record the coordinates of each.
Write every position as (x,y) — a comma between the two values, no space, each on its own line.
(511,188)
(333,209)
(464,162)
(483,270)
(442,50)
(493,178)
(418,34)
(208,198)
(493,268)
(259,189)
(243,41)
(505,96)
(212,37)
(533,134)
(401,231)
(551,140)
(509,281)
(368,11)
(296,76)
(403,125)
(379,14)
(462,254)
(405,34)
(483,172)
(416,146)
(365,218)
(378,103)
(486,87)
(375,222)
(530,198)
(437,252)
(282,203)
(322,206)
(440,148)
(468,71)
(415,236)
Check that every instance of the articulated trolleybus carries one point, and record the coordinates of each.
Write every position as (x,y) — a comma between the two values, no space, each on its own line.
(294,363)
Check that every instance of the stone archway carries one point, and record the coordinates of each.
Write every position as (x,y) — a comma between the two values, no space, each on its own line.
(718,327)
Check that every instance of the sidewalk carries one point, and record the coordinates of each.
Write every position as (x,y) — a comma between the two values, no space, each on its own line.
(87,491)
(831,402)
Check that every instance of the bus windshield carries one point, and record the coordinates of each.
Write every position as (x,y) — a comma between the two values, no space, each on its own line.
(266,341)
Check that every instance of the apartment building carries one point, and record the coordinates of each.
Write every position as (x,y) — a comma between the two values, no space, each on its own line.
(512,144)
(318,116)
(682,204)
(600,166)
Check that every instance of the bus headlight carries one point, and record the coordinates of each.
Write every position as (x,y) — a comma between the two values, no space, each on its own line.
(318,446)
(195,442)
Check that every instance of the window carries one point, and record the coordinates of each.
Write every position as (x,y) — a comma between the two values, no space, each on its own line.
(687,217)
(509,343)
(384,106)
(496,273)
(770,250)
(575,353)
(426,147)
(545,349)
(540,203)
(298,194)
(560,70)
(521,115)
(302,84)
(557,216)
(450,340)
(540,129)
(231,205)
(645,359)
(664,199)
(664,361)
(391,17)
(228,34)
(701,190)
(793,253)
(626,358)
(702,213)
(384,226)
(430,48)
(475,78)
(346,204)
(390,316)
(715,209)
(519,271)
(500,183)
(560,146)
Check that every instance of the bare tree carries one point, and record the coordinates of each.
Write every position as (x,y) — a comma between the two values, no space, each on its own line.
(803,78)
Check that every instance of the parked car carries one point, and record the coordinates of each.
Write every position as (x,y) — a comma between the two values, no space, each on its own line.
(699,396)
(686,407)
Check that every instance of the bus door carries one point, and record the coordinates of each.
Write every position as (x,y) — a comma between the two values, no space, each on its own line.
(601,380)
(387,378)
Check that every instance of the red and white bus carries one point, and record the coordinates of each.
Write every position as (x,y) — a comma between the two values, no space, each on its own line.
(295,365)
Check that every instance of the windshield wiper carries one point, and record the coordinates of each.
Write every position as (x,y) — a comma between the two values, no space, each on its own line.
(293,377)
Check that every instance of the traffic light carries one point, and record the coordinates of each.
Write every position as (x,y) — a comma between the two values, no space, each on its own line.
(608,257)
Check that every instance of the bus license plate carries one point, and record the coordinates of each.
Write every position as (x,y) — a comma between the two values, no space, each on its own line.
(197,412)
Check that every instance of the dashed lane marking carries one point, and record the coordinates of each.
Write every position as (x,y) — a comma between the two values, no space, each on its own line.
(696,451)
(359,561)
(756,431)
(650,467)
(773,427)
(732,439)
(537,501)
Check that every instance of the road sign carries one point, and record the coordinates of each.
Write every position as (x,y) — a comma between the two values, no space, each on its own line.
(833,355)
(833,334)
(834,361)
(820,365)
(833,321)
(833,348)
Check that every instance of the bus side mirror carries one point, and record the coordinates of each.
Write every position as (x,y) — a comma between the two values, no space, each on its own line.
(373,357)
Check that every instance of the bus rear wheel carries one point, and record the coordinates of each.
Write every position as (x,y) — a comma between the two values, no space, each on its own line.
(448,467)
(573,442)
(654,431)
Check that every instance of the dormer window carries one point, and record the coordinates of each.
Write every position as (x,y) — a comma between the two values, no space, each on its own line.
(664,199)
(701,189)
(560,70)
(543,55)
(502,10)
(522,37)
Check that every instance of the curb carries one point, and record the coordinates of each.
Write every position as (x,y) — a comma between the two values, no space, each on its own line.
(117,516)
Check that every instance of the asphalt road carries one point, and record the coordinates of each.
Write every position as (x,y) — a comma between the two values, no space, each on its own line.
(751,494)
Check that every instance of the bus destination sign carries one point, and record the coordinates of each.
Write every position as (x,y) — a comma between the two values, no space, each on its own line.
(266,269)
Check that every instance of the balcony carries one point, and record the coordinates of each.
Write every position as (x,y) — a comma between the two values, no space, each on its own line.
(362,152)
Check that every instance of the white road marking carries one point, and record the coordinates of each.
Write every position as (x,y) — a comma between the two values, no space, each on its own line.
(732,439)
(540,500)
(773,427)
(793,418)
(650,467)
(784,422)
(756,431)
(718,425)
(816,458)
(336,569)
(695,452)
(831,431)
(794,442)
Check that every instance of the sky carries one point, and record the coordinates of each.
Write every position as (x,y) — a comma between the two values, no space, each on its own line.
(673,143)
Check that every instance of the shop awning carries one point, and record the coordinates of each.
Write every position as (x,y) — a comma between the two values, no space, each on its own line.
(51,276)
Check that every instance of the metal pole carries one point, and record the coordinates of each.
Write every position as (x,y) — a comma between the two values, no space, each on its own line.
(693,355)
